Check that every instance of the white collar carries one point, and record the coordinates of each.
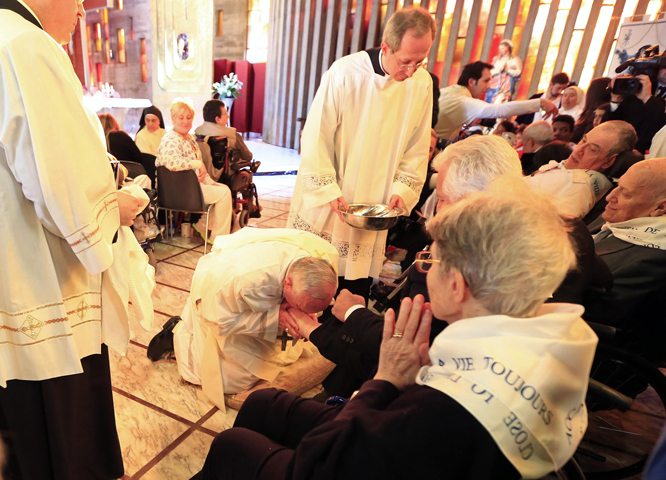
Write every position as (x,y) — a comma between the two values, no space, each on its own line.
(380,63)
(31,12)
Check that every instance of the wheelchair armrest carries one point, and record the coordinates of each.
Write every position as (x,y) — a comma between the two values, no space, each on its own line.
(601,392)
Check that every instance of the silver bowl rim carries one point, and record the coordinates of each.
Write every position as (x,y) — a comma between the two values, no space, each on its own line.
(399,212)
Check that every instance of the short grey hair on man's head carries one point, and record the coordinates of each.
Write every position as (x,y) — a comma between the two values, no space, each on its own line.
(624,134)
(510,245)
(540,132)
(310,274)
(474,163)
(409,18)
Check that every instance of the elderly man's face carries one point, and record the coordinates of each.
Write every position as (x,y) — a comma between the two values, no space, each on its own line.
(633,197)
(411,55)
(661,76)
(593,151)
(58,17)
(306,303)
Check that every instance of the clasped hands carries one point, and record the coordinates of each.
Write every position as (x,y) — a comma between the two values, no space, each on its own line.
(405,343)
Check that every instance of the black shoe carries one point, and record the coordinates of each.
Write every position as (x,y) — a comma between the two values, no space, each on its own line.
(162,343)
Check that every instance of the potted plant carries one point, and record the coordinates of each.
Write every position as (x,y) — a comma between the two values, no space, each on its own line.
(227,90)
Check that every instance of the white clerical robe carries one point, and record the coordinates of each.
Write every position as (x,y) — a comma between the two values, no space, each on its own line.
(59,208)
(366,138)
(226,340)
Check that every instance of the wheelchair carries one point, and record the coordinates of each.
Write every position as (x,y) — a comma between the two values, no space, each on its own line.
(237,174)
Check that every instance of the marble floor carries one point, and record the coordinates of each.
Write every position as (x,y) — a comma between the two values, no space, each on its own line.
(165,425)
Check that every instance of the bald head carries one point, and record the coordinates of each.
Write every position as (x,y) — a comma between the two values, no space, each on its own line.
(641,192)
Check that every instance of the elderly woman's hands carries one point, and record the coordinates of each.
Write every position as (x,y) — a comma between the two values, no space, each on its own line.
(405,343)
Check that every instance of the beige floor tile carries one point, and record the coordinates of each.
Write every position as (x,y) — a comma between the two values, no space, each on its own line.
(184,461)
(187,259)
(269,212)
(142,336)
(157,383)
(275,199)
(221,421)
(174,276)
(162,250)
(143,432)
(283,192)
(168,300)
(194,241)
(276,222)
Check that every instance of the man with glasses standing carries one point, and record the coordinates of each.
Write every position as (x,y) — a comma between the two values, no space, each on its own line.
(366,140)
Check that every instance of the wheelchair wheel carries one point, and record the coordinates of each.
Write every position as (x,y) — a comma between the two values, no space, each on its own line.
(243,218)
(617,444)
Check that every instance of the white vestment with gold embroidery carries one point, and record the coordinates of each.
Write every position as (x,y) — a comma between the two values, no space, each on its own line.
(59,207)
(366,138)
(226,340)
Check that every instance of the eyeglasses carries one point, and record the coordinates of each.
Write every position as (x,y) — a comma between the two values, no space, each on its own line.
(424,261)
(409,66)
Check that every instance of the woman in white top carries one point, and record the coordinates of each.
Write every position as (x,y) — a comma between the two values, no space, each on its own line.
(573,100)
(151,130)
(179,151)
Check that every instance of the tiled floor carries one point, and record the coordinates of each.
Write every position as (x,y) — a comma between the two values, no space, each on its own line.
(165,425)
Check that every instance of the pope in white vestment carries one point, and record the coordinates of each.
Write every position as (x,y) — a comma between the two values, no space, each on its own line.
(366,139)
(226,340)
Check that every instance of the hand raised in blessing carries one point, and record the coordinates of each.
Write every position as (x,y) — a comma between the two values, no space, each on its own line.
(404,348)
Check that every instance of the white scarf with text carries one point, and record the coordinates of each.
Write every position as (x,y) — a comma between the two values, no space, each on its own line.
(647,232)
(523,379)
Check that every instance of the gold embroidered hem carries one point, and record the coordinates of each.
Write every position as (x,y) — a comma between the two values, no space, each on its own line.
(67,331)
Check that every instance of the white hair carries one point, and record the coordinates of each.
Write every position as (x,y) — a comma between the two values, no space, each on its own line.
(540,132)
(474,163)
(409,18)
(310,274)
(511,246)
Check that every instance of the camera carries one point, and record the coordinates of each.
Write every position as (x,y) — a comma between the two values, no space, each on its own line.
(647,61)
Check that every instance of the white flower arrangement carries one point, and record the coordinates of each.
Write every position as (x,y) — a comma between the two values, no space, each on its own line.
(228,87)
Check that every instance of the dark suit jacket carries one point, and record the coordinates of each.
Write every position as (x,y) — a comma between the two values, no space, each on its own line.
(354,347)
(637,300)
(528,118)
(647,118)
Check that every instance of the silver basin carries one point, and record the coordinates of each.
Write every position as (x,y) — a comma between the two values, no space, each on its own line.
(372,216)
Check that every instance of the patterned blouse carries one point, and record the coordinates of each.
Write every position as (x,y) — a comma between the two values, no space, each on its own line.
(177,153)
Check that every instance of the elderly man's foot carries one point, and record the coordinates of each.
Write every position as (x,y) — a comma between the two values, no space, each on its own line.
(162,344)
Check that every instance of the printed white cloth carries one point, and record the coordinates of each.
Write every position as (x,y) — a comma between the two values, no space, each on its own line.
(647,232)
(523,379)
(575,190)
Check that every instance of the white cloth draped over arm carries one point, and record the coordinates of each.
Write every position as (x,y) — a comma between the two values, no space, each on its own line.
(412,168)
(317,166)
(59,172)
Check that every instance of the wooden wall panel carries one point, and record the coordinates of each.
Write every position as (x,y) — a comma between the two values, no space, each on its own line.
(307,36)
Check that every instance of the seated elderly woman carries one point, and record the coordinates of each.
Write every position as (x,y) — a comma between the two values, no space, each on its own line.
(179,151)
(499,395)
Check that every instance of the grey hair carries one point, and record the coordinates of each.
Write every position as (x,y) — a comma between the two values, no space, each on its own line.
(624,133)
(540,132)
(475,163)
(409,18)
(310,274)
(510,245)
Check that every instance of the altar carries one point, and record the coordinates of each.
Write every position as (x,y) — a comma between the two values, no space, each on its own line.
(126,110)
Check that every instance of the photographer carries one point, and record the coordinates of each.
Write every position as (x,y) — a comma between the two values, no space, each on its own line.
(632,100)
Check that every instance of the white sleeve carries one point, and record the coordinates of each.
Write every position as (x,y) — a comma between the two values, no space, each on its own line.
(475,108)
(412,167)
(55,149)
(317,169)
(246,306)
